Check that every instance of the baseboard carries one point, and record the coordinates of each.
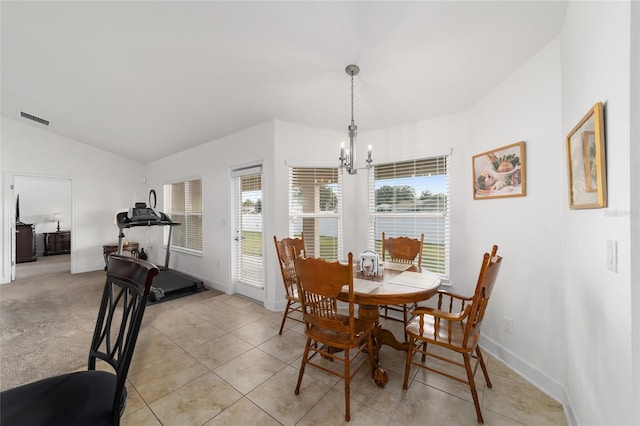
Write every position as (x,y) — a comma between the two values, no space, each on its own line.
(540,380)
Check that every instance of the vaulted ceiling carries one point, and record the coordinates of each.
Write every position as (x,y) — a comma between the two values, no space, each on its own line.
(148,79)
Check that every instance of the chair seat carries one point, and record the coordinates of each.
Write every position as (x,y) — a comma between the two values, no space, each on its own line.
(442,335)
(82,398)
(342,340)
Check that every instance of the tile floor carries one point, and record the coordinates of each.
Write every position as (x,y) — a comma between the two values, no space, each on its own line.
(220,361)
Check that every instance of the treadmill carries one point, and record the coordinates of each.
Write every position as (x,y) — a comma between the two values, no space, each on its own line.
(168,284)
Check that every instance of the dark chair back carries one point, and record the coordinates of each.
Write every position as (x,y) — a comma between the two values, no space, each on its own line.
(124,299)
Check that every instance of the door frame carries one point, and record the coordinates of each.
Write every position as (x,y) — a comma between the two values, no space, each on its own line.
(9,210)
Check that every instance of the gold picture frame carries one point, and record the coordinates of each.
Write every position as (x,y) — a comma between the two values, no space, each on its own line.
(586,162)
(500,173)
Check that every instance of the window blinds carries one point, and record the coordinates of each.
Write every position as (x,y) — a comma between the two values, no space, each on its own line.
(315,203)
(183,203)
(249,265)
(410,198)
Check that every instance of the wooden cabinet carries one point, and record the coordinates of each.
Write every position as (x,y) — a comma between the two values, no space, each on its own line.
(25,242)
(57,243)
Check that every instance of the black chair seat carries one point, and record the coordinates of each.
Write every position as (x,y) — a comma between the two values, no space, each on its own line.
(92,397)
(82,398)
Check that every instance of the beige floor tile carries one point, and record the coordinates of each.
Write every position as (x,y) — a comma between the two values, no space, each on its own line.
(248,376)
(243,412)
(518,400)
(276,396)
(142,417)
(331,411)
(220,350)
(257,332)
(185,328)
(134,400)
(250,369)
(423,404)
(152,351)
(286,347)
(365,390)
(169,375)
(196,402)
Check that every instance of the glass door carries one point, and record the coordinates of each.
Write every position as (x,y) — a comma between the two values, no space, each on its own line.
(248,241)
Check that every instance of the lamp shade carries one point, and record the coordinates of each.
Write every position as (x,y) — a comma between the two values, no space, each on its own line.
(57,217)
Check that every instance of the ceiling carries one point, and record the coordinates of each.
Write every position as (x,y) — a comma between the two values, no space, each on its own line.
(148,79)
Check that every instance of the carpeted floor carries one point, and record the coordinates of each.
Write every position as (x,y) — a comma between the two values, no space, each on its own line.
(47,318)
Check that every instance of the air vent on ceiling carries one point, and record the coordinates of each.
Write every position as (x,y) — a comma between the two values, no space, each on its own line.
(34,118)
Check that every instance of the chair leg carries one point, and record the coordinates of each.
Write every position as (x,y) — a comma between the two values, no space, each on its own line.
(405,318)
(483,366)
(472,385)
(304,363)
(407,367)
(284,317)
(347,385)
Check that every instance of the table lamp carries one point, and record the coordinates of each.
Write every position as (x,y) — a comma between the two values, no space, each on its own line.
(57,217)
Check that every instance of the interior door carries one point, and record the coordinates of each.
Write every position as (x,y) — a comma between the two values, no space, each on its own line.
(248,241)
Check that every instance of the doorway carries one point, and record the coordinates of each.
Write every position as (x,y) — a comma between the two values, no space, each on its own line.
(248,241)
(41,205)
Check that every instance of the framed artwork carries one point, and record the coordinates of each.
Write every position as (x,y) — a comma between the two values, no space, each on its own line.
(586,162)
(500,173)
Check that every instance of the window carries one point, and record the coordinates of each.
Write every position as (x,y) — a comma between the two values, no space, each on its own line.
(410,198)
(315,202)
(183,203)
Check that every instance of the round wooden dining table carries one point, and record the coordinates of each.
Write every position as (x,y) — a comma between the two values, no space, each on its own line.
(399,284)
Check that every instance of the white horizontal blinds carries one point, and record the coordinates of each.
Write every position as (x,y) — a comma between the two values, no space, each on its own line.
(249,212)
(183,203)
(315,199)
(410,198)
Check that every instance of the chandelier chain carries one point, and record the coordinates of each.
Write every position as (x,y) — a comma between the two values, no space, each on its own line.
(352,121)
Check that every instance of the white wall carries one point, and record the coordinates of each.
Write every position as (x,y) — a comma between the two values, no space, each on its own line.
(212,162)
(525,107)
(634,165)
(101,183)
(598,305)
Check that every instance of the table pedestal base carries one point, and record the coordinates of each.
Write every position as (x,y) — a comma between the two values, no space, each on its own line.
(381,337)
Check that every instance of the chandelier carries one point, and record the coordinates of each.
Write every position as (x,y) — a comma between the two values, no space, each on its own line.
(348,157)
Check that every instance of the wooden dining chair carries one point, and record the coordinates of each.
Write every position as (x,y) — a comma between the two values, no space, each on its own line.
(283,251)
(92,397)
(403,250)
(455,325)
(330,334)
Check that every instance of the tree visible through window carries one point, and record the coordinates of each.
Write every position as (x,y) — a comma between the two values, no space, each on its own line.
(412,198)
(314,206)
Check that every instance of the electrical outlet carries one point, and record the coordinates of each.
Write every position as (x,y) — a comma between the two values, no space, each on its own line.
(508,325)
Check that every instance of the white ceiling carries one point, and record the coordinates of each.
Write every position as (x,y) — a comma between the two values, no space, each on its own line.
(148,79)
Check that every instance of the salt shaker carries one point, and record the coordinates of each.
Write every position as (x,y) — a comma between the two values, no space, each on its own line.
(380,269)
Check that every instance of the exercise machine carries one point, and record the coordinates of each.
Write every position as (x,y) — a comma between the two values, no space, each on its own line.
(169,284)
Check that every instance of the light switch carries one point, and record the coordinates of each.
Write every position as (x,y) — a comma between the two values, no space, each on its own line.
(612,256)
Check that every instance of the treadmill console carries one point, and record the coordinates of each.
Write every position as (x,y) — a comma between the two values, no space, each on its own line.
(142,213)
